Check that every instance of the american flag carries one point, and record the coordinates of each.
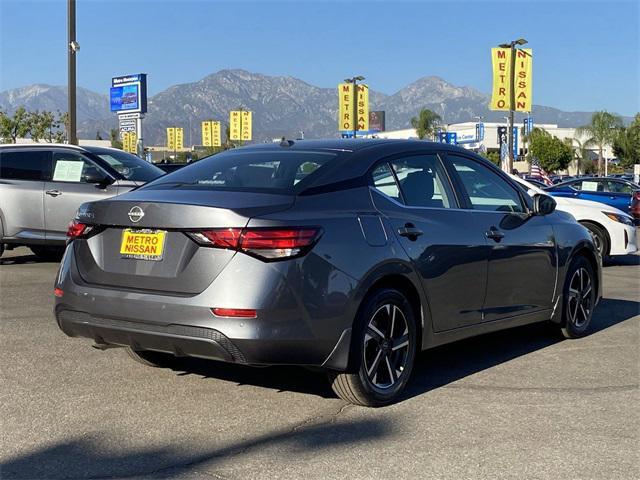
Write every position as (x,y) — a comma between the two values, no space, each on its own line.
(537,171)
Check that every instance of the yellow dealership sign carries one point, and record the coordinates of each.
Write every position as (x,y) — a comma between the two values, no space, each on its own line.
(179,138)
(524,82)
(240,125)
(211,134)
(171,138)
(501,92)
(345,107)
(129,142)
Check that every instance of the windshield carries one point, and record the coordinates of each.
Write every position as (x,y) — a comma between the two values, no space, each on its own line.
(250,170)
(128,165)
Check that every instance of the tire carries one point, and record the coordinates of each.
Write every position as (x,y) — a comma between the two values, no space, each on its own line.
(1,249)
(383,350)
(153,359)
(600,238)
(579,299)
(48,254)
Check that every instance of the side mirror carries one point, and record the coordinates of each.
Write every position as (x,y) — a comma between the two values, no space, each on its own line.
(543,204)
(95,176)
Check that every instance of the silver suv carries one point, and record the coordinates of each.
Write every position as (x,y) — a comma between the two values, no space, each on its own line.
(42,186)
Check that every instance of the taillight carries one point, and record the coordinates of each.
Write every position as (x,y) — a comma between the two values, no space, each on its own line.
(266,243)
(77,230)
(234,312)
(58,292)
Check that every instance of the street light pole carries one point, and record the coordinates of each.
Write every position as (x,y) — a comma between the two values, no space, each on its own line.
(354,81)
(72,49)
(512,100)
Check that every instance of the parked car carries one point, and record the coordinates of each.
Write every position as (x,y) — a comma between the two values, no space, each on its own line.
(618,193)
(613,231)
(535,181)
(53,180)
(346,255)
(555,179)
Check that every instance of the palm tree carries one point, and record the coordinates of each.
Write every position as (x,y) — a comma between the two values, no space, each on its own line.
(425,123)
(581,152)
(602,131)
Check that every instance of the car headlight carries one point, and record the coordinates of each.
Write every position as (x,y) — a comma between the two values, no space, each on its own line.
(616,217)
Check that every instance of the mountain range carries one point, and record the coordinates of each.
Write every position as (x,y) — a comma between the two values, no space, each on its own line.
(281,106)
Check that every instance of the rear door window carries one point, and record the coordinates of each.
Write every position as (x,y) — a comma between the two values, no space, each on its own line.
(385,182)
(423,181)
(619,187)
(24,165)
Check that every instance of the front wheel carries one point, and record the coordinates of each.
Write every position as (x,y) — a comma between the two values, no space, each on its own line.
(579,298)
(600,239)
(384,345)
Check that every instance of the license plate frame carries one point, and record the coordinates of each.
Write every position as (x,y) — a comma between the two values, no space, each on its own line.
(147,250)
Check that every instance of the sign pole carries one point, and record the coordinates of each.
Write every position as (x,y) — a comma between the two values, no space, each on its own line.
(139,146)
(355,107)
(512,105)
(72,48)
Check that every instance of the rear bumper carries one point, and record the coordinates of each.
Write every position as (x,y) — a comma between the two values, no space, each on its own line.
(285,332)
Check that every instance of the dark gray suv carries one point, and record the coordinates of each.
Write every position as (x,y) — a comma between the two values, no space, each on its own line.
(42,186)
(351,256)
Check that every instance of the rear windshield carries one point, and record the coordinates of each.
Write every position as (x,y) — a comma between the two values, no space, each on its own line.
(253,171)
(129,166)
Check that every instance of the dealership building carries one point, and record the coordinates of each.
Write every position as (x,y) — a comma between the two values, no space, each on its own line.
(466,133)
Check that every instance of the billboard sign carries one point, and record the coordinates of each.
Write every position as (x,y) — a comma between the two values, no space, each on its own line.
(523,80)
(448,137)
(129,93)
(527,125)
(240,127)
(501,92)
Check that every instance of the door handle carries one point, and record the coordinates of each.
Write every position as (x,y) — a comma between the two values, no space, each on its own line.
(410,231)
(494,234)
(53,193)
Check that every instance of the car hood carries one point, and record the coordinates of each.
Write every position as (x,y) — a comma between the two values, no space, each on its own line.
(575,202)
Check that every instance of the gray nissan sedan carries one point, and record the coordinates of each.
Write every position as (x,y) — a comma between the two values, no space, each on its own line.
(348,255)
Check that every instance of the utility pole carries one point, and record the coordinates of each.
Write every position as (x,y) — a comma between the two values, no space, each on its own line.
(512,102)
(73,47)
(354,81)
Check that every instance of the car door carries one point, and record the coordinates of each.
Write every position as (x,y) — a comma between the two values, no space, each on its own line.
(619,194)
(73,180)
(522,261)
(22,172)
(414,194)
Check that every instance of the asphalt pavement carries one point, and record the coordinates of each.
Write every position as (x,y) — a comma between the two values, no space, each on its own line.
(515,404)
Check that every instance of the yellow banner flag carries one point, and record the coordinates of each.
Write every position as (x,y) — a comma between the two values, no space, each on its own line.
(171,138)
(363,107)
(523,80)
(179,138)
(206,134)
(234,124)
(245,125)
(215,134)
(501,92)
(345,106)
(130,142)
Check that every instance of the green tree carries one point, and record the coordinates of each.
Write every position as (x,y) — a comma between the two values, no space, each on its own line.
(626,145)
(60,136)
(581,154)
(15,126)
(42,125)
(425,123)
(493,157)
(602,131)
(552,153)
(114,137)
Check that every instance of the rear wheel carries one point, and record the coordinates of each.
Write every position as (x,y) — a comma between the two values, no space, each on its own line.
(152,359)
(49,254)
(1,249)
(579,298)
(383,351)
(600,238)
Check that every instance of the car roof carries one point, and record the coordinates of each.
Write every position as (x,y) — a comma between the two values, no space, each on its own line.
(43,145)
(343,145)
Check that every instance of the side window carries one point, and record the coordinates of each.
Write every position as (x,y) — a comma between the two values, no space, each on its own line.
(23,165)
(619,187)
(487,190)
(591,186)
(423,181)
(384,181)
(72,167)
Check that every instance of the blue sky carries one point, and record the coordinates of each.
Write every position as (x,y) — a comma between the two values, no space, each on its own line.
(586,53)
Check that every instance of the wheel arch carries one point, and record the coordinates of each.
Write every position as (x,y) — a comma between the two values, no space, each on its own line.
(601,227)
(583,249)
